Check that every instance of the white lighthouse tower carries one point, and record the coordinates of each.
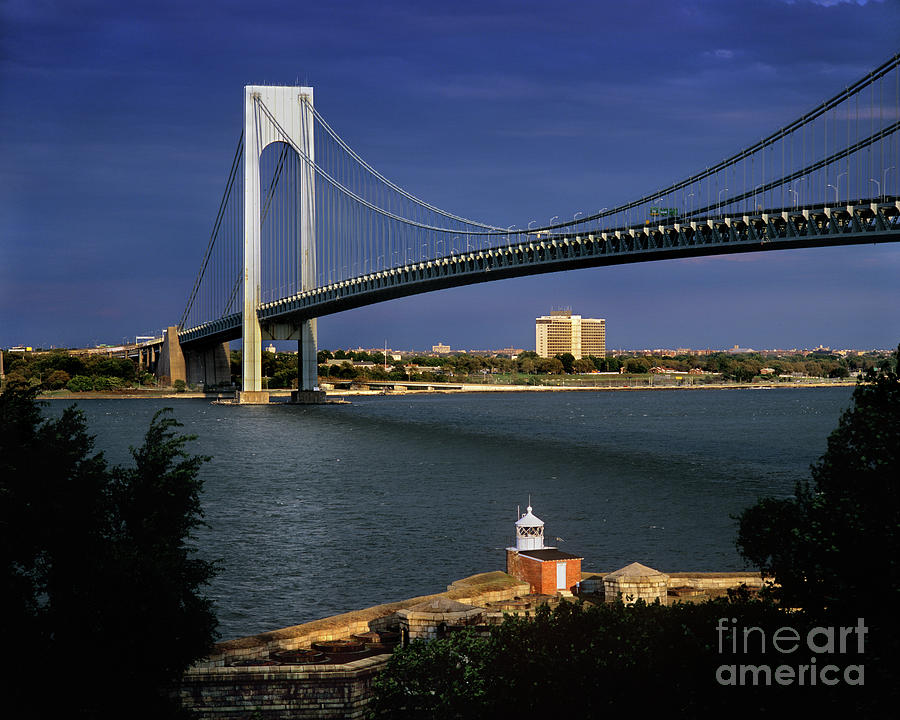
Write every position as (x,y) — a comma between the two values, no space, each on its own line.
(547,570)
(529,532)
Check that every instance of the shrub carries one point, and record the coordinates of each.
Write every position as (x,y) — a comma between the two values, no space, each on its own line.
(57,379)
(80,383)
(107,382)
(597,659)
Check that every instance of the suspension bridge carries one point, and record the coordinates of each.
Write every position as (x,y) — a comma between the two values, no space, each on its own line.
(306,227)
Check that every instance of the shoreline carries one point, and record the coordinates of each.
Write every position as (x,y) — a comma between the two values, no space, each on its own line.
(455,388)
(431,389)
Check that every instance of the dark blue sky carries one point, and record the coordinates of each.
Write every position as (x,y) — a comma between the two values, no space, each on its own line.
(118,121)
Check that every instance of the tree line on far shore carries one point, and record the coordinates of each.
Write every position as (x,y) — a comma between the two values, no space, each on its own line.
(280,369)
(57,370)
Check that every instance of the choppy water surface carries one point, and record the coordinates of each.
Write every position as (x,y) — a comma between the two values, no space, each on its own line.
(318,510)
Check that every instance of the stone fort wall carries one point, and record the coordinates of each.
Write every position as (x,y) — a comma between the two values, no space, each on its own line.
(215,689)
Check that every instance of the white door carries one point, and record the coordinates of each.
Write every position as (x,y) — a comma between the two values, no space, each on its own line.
(561,576)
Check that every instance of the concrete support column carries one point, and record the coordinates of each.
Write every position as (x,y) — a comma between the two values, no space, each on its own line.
(307,352)
(252,357)
(307,364)
(171,358)
(208,366)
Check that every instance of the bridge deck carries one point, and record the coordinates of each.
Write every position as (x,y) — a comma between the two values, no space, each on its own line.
(776,230)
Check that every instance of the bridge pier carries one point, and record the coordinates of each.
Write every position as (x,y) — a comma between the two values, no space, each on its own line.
(308,392)
(171,365)
(147,360)
(252,397)
(307,357)
(210,365)
(204,365)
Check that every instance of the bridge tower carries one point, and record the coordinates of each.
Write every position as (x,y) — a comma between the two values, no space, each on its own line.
(289,119)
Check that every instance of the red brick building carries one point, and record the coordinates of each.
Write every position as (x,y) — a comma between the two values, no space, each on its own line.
(546,569)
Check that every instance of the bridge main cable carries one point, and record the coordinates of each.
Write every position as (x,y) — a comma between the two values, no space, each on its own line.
(797,174)
(747,152)
(393,185)
(215,231)
(489,229)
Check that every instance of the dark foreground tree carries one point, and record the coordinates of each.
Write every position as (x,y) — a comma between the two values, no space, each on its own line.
(836,543)
(637,661)
(102,606)
(834,548)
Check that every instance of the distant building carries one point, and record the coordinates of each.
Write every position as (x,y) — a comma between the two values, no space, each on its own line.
(440,349)
(562,332)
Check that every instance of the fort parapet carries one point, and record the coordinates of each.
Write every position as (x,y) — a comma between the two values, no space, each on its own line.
(240,679)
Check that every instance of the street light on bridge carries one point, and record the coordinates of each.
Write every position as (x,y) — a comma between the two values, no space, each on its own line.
(796,196)
(837,189)
(800,184)
(884,179)
(879,186)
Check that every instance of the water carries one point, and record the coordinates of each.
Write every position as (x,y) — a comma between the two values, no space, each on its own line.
(318,510)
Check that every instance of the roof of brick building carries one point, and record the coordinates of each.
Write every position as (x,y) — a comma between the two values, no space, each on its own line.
(549,554)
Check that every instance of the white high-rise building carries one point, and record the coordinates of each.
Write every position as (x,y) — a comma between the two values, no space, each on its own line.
(562,332)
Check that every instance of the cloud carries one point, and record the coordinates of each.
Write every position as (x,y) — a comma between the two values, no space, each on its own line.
(720,54)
